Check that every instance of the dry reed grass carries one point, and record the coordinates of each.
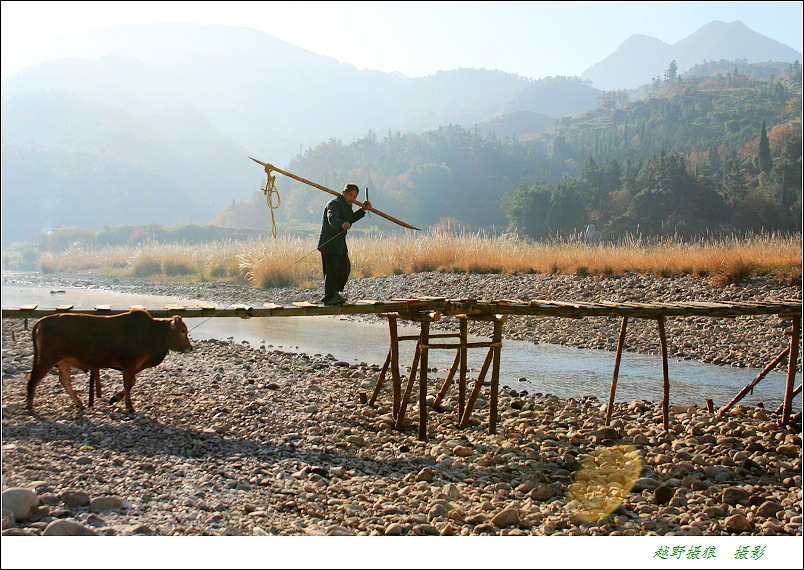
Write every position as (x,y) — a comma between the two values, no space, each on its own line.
(265,263)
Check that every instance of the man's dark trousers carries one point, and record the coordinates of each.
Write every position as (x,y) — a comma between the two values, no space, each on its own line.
(336,272)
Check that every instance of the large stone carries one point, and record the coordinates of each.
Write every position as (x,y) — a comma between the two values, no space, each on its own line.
(462,451)
(645,483)
(436,511)
(23,502)
(505,518)
(542,492)
(788,450)
(769,509)
(18,532)
(9,520)
(107,503)
(393,529)
(738,523)
(426,474)
(67,528)
(736,496)
(604,434)
(663,494)
(475,519)
(75,499)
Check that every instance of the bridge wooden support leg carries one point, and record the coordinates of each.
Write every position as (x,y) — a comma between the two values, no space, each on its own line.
(754,382)
(795,393)
(424,340)
(495,374)
(795,339)
(620,344)
(395,378)
(448,382)
(381,379)
(414,367)
(470,404)
(493,358)
(665,375)
(420,365)
(464,325)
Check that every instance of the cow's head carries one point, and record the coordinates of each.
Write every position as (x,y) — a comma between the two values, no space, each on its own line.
(177,336)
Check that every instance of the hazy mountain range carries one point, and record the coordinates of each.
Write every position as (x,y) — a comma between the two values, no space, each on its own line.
(154,123)
(641,58)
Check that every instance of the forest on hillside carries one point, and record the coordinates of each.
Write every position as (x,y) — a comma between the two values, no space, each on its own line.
(697,154)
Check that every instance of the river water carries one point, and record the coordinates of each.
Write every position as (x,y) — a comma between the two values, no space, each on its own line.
(563,371)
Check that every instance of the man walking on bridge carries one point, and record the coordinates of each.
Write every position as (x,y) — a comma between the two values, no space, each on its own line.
(338,218)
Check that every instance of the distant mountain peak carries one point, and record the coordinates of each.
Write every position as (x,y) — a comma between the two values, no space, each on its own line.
(640,58)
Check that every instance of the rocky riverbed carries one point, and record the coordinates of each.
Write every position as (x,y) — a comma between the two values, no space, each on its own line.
(236,440)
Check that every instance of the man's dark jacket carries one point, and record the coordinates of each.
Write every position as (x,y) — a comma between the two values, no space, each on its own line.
(336,212)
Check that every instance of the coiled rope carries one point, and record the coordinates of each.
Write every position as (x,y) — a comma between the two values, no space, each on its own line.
(270,191)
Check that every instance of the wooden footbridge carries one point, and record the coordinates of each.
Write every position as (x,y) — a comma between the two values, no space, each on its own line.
(427,310)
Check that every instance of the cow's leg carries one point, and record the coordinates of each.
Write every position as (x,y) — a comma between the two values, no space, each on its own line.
(94,385)
(129,378)
(38,372)
(66,381)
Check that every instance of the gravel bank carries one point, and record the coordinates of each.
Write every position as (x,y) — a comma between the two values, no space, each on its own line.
(233,440)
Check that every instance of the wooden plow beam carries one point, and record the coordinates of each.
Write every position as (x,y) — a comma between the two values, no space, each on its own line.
(271,168)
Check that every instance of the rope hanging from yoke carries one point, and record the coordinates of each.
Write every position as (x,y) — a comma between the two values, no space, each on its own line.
(270,191)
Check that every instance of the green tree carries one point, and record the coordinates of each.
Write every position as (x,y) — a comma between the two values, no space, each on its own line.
(764,153)
(671,74)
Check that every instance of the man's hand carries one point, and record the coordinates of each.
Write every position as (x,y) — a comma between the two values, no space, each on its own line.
(366,205)
(346,225)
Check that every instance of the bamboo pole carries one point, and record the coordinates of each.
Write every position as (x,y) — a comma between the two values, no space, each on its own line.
(795,337)
(620,344)
(665,375)
(754,382)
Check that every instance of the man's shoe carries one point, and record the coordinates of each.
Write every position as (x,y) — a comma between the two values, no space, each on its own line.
(334,300)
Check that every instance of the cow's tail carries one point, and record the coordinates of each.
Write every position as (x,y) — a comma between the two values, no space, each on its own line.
(36,341)
(30,384)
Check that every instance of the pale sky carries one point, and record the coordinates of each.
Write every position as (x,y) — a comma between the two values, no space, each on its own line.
(532,39)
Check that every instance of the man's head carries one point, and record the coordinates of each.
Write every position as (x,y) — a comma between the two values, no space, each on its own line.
(350,192)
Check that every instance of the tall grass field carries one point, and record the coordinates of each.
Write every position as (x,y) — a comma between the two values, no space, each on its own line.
(283,261)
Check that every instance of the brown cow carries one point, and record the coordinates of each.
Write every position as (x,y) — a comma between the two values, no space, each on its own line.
(129,342)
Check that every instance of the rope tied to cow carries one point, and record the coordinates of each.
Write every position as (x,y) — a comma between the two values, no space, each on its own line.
(270,192)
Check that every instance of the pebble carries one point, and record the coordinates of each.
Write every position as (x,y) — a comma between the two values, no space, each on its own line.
(244,441)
